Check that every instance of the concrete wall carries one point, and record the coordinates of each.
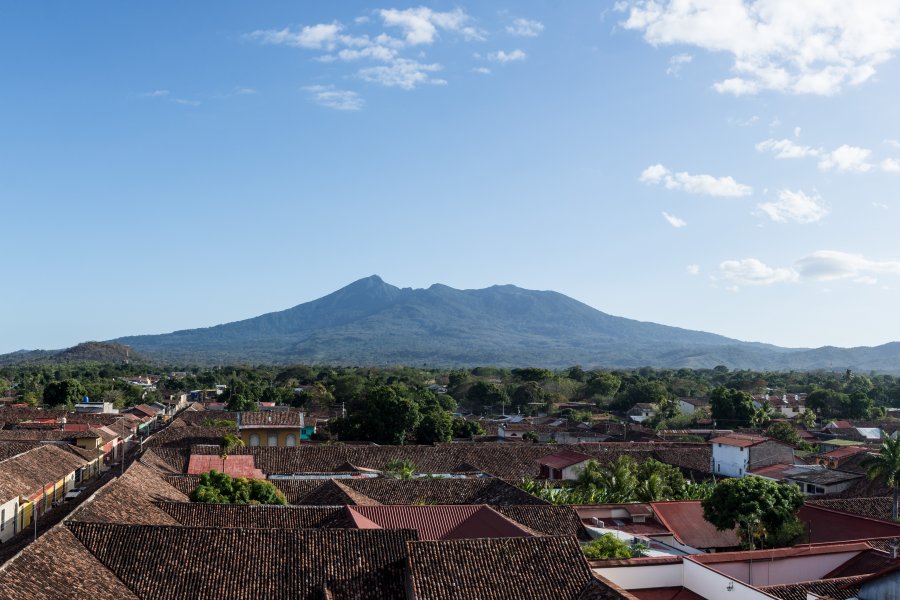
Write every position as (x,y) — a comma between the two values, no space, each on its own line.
(9,514)
(770,453)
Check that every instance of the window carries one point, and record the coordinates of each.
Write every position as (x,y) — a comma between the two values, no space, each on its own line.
(273,439)
(254,439)
(719,468)
(290,440)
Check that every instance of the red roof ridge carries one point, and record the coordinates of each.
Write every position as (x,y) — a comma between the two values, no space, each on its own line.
(777,553)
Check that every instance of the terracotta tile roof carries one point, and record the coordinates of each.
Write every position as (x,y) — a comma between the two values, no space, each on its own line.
(185,437)
(58,567)
(199,563)
(505,461)
(256,516)
(334,492)
(143,409)
(878,507)
(600,588)
(685,520)
(843,588)
(10,449)
(131,499)
(31,471)
(271,420)
(562,459)
(547,520)
(168,460)
(740,441)
(536,568)
(236,465)
(439,522)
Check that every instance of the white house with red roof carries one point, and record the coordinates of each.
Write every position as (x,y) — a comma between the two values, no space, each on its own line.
(735,455)
(564,464)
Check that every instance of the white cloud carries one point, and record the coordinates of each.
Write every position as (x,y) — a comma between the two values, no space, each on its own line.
(328,96)
(673,220)
(403,73)
(243,91)
(504,57)
(420,25)
(155,94)
(186,102)
(751,271)
(880,205)
(525,28)
(786,149)
(811,47)
(676,62)
(846,159)
(323,36)
(891,165)
(482,70)
(695,184)
(796,207)
(797,131)
(829,265)
(693,269)
(892,143)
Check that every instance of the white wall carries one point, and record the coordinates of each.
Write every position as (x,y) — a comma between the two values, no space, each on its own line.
(705,582)
(730,460)
(647,576)
(11,519)
(777,572)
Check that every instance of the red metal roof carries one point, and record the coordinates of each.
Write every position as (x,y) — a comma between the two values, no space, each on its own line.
(772,471)
(843,452)
(776,553)
(439,522)
(828,525)
(563,459)
(685,520)
(240,465)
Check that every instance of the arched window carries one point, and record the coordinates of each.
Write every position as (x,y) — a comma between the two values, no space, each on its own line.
(290,440)
(273,439)
(254,439)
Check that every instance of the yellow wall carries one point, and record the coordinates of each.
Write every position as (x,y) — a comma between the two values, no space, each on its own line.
(264,436)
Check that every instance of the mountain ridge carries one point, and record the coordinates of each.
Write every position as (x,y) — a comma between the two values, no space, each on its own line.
(371,322)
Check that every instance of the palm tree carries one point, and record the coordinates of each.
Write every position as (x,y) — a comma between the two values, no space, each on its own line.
(885,467)
(400,469)
(762,416)
(230,442)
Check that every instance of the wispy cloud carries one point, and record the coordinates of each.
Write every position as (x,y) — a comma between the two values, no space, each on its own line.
(481,70)
(694,184)
(794,206)
(243,91)
(890,165)
(154,94)
(693,269)
(823,265)
(186,102)
(324,36)
(674,221)
(786,149)
(329,97)
(421,25)
(676,62)
(403,73)
(800,48)
(525,28)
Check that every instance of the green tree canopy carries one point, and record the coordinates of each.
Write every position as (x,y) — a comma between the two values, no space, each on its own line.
(730,407)
(759,508)
(608,546)
(66,392)
(885,467)
(220,488)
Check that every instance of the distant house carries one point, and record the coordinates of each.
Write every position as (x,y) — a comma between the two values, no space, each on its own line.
(642,411)
(687,406)
(281,429)
(735,455)
(564,464)
(815,480)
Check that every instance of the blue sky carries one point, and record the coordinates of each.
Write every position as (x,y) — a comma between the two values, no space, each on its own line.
(719,165)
